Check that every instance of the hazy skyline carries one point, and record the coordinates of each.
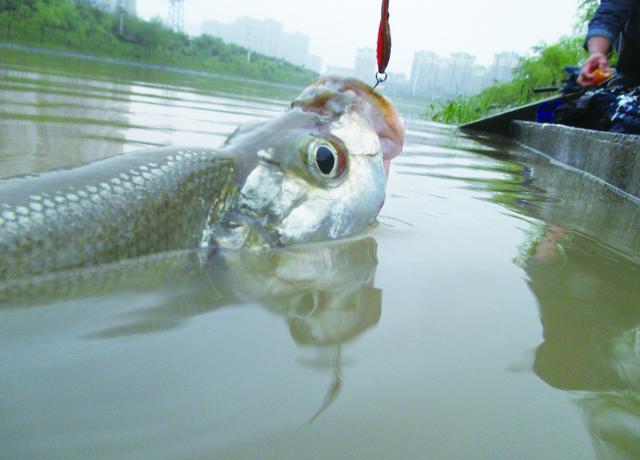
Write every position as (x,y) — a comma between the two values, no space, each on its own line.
(337,28)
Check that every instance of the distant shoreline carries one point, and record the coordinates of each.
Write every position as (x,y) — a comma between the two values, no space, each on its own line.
(144,65)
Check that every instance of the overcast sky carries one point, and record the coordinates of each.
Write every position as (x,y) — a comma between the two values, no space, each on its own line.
(337,28)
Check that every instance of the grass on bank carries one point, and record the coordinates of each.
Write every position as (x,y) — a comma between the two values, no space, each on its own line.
(68,25)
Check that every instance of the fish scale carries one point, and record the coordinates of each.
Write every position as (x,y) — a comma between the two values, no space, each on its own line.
(131,206)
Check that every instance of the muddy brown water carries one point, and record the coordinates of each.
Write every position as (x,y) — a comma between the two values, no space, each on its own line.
(492,313)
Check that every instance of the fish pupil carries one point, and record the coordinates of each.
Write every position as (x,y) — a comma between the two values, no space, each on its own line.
(325,160)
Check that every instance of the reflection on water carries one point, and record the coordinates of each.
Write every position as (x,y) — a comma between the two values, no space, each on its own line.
(325,293)
(591,326)
(483,252)
(59,117)
(580,255)
(34,124)
(582,266)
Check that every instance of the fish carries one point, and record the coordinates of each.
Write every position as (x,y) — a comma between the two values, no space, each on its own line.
(316,172)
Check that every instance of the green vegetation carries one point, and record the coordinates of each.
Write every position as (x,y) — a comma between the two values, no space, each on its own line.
(543,68)
(63,24)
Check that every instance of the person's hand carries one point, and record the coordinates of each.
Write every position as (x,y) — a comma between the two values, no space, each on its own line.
(594,62)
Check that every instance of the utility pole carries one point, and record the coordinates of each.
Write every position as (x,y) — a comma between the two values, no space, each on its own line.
(120,10)
(175,19)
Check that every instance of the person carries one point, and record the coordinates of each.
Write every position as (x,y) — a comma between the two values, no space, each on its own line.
(616,24)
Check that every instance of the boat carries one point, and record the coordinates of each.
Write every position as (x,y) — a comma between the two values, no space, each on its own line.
(610,157)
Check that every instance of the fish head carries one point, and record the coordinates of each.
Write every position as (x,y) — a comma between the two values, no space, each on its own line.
(317,172)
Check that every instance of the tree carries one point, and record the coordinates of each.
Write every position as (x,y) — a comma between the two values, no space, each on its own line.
(14,11)
(546,66)
(45,17)
(55,14)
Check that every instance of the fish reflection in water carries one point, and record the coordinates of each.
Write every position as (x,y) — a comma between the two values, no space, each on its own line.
(325,293)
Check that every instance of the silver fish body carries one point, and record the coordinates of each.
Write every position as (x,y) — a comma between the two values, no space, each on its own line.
(113,209)
(317,172)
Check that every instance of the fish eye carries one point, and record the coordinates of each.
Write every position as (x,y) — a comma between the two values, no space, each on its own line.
(326,160)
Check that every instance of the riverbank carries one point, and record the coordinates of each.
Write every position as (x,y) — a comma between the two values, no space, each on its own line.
(67,27)
(143,65)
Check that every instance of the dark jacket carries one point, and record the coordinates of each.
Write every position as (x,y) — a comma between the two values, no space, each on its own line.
(610,19)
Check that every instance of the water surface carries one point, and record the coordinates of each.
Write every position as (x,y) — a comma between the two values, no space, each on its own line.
(493,312)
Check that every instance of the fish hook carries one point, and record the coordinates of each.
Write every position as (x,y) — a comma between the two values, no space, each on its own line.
(380,78)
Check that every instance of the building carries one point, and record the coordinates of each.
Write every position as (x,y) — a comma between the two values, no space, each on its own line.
(314,63)
(477,79)
(265,37)
(111,6)
(457,74)
(460,74)
(397,84)
(366,64)
(294,48)
(424,72)
(501,70)
(442,76)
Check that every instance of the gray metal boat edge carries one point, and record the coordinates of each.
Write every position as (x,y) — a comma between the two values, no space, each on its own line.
(610,157)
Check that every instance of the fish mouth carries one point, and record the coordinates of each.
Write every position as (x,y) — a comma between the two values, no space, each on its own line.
(336,95)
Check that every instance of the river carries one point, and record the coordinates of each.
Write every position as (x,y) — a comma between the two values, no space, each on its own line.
(492,313)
